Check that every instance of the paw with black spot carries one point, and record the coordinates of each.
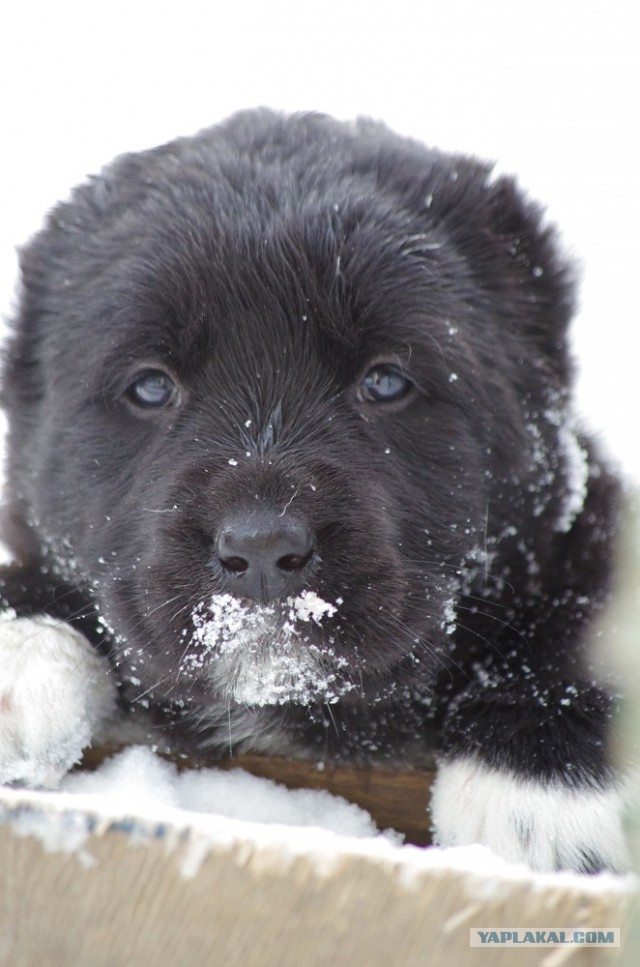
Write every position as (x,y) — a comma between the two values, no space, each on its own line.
(549,826)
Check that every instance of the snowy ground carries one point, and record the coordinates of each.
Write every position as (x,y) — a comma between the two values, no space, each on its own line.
(548,90)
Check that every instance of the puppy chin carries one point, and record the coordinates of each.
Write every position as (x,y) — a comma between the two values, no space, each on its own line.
(267,654)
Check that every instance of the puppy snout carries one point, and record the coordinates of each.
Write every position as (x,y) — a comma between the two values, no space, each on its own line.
(264,554)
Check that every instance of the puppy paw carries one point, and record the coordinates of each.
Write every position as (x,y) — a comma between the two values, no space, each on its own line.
(549,826)
(55,693)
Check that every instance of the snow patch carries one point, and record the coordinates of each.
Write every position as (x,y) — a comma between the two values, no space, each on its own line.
(308,606)
(571,462)
(142,780)
(265,654)
(544,472)
(450,616)
(576,460)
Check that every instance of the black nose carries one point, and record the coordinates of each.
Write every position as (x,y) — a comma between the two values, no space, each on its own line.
(264,553)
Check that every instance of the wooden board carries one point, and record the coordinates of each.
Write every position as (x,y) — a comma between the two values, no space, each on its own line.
(127,892)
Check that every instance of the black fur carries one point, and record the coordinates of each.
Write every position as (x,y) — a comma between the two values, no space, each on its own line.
(268,264)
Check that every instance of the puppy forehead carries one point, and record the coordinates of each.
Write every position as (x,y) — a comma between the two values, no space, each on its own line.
(304,287)
(306,248)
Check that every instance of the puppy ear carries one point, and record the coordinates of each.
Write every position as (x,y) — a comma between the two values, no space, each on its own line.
(512,252)
(543,275)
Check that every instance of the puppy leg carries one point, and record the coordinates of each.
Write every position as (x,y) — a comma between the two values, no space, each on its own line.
(55,693)
(548,825)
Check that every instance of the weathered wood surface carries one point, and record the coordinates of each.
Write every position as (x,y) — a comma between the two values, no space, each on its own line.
(139,893)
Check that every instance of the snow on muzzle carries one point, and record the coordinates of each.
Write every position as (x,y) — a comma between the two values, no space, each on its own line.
(263,654)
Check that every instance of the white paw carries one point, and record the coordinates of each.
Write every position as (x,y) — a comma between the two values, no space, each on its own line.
(55,693)
(549,826)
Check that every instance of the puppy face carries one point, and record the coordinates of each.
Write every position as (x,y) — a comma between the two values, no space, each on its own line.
(278,396)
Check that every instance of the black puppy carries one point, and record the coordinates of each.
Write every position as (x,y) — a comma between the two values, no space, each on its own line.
(290,441)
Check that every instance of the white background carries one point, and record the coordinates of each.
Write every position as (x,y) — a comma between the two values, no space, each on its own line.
(547,88)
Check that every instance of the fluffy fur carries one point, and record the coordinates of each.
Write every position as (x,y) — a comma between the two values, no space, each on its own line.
(548,825)
(55,697)
(287,361)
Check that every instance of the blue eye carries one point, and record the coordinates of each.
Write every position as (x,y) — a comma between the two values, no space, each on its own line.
(384,384)
(152,389)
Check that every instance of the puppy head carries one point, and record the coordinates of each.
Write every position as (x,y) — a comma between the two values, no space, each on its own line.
(271,394)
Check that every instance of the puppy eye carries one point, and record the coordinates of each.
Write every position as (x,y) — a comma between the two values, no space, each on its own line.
(384,384)
(153,389)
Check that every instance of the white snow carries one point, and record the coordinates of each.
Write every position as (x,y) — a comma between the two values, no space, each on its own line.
(263,654)
(309,606)
(139,777)
(577,477)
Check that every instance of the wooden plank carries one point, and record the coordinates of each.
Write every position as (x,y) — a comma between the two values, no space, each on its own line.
(135,893)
